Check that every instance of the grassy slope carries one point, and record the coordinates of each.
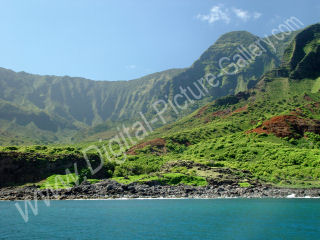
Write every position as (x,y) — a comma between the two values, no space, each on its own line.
(222,142)
(218,135)
(46,109)
(214,143)
(58,108)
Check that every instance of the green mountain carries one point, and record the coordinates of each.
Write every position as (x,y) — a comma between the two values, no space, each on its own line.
(269,134)
(228,46)
(46,109)
(302,57)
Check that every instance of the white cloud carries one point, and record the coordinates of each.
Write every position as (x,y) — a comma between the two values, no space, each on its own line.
(242,14)
(221,13)
(217,13)
(132,66)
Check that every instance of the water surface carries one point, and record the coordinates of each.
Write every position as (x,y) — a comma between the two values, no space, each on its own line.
(165,219)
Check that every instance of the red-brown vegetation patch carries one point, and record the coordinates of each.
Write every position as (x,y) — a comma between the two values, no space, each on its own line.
(201,111)
(157,146)
(297,112)
(241,109)
(313,107)
(307,97)
(225,113)
(221,113)
(288,126)
(253,122)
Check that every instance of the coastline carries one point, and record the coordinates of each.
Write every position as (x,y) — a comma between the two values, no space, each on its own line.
(111,190)
(128,199)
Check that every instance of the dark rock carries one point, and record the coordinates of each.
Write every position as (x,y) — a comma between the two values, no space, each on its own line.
(112,189)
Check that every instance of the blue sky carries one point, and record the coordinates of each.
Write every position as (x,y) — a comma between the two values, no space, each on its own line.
(126,39)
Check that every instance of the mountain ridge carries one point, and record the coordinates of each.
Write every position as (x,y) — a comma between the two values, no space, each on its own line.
(267,137)
(75,104)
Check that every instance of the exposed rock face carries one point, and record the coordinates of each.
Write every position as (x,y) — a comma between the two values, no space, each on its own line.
(112,189)
(288,126)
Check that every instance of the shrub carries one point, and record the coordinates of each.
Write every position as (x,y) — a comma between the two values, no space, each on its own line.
(244,184)
(11,148)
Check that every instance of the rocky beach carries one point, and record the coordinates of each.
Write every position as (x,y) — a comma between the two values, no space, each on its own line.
(108,189)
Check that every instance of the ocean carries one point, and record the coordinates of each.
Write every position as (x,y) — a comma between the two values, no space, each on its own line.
(163,219)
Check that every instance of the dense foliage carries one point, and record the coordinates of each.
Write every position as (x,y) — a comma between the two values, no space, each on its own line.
(268,134)
(38,109)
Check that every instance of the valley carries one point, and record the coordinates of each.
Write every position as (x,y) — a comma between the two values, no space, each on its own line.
(254,133)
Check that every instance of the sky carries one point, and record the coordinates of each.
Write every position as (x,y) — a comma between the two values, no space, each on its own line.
(126,39)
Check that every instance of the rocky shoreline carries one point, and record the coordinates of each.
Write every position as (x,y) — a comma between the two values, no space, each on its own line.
(109,189)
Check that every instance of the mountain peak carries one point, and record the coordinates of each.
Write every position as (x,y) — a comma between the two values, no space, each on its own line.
(236,36)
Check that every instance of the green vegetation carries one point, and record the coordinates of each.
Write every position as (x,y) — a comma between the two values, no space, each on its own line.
(50,109)
(59,181)
(269,159)
(62,181)
(244,184)
(267,134)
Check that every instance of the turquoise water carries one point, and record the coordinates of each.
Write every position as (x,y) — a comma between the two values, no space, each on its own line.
(165,219)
